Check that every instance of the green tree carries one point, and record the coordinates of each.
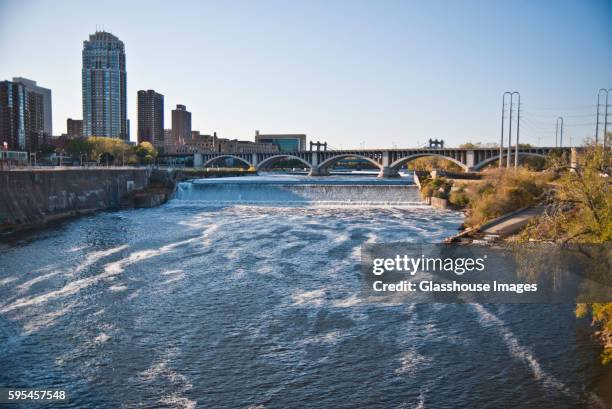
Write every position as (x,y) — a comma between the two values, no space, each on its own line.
(106,158)
(77,147)
(146,152)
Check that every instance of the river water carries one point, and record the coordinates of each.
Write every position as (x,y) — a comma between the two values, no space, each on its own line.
(245,293)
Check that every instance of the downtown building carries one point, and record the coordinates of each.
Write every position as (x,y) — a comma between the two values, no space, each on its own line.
(151,117)
(284,142)
(104,80)
(181,125)
(74,128)
(25,122)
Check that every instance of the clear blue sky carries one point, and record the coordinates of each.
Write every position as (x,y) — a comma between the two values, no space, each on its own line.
(349,72)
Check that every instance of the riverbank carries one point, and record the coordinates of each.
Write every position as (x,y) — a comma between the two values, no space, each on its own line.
(557,205)
(35,198)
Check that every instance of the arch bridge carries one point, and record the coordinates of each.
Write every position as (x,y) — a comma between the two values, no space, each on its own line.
(388,161)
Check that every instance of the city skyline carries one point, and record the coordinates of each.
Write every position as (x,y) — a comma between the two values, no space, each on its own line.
(352,82)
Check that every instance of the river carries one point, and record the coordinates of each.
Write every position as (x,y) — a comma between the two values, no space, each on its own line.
(245,293)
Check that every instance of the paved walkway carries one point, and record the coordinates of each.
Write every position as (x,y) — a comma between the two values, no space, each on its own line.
(510,224)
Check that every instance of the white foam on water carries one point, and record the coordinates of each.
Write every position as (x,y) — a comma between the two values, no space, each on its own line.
(7,280)
(95,256)
(76,249)
(348,302)
(312,298)
(520,352)
(102,338)
(24,287)
(110,271)
(177,401)
(173,279)
(41,321)
(171,272)
(328,338)
(162,371)
(411,362)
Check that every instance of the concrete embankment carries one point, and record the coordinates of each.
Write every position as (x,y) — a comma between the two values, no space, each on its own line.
(31,198)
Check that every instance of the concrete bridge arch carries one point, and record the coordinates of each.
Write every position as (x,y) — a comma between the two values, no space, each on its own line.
(395,166)
(220,157)
(328,163)
(485,162)
(270,160)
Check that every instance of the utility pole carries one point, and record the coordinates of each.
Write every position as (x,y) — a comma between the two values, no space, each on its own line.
(560,143)
(518,129)
(598,109)
(501,141)
(512,94)
(605,136)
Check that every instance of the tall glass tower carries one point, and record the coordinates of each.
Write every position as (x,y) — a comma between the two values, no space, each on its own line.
(104,86)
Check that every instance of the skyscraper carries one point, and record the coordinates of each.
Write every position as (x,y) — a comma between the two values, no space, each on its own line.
(12,115)
(104,86)
(46,101)
(181,124)
(151,117)
(21,116)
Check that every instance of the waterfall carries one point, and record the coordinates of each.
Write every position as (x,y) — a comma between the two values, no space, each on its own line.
(335,191)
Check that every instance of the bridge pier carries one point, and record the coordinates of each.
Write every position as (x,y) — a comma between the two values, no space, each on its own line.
(388,172)
(315,171)
(198,161)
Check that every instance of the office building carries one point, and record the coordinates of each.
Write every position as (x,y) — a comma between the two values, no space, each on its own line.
(21,117)
(284,142)
(151,117)
(104,79)
(47,112)
(212,143)
(74,128)
(181,125)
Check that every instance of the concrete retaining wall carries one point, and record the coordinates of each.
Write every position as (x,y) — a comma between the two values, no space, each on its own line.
(33,197)
(439,203)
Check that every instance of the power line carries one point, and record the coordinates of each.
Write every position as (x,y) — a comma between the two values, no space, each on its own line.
(563,108)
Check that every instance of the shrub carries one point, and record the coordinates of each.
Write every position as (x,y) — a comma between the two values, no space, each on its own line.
(459,197)
(506,191)
(437,187)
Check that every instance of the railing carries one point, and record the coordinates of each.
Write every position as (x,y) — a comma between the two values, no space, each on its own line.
(14,156)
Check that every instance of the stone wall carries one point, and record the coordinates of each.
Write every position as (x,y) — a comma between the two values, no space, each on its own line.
(33,197)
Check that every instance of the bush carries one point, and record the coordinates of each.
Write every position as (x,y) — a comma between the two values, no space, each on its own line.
(438,187)
(459,197)
(508,190)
